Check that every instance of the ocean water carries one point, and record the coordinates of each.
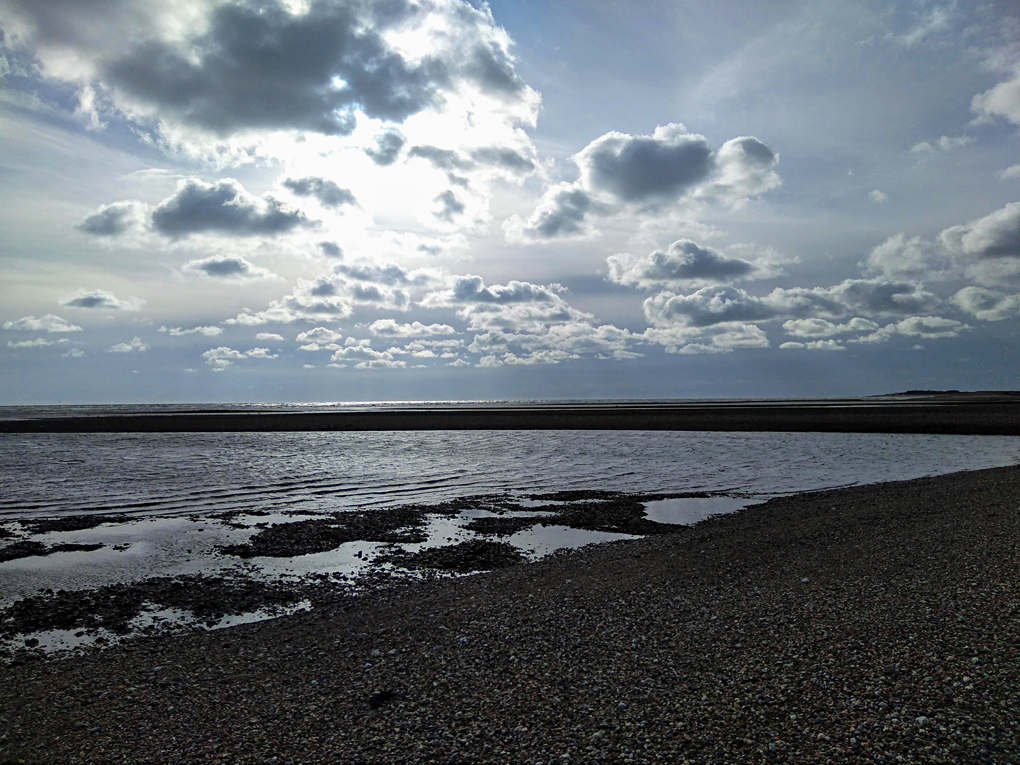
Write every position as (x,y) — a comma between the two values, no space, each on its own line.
(171,490)
(168,474)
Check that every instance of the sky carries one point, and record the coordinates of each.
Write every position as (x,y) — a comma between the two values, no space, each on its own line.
(345,200)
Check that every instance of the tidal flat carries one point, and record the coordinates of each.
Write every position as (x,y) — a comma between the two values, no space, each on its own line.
(863,624)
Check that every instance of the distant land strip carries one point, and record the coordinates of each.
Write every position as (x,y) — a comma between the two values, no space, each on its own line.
(980,415)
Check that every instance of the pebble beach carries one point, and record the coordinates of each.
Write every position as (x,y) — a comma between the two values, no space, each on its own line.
(869,624)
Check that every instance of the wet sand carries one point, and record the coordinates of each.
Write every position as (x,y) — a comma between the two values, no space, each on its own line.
(963,414)
(871,624)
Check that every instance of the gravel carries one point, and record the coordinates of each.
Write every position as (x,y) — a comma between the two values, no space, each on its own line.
(869,624)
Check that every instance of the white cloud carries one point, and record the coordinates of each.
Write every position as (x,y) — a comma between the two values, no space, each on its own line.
(987,305)
(944,143)
(267,336)
(391,328)
(221,358)
(1003,100)
(878,197)
(996,235)
(136,345)
(46,323)
(40,342)
(814,345)
(363,356)
(101,299)
(900,257)
(1011,172)
(928,327)
(208,331)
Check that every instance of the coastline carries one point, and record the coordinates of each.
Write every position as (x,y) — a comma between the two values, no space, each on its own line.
(987,413)
(705,645)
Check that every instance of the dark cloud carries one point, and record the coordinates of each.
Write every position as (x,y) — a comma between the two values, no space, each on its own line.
(708,306)
(226,267)
(223,207)
(389,274)
(684,263)
(441,159)
(561,212)
(260,66)
(449,206)
(326,191)
(331,249)
(387,147)
(472,289)
(507,159)
(111,220)
(660,167)
(101,299)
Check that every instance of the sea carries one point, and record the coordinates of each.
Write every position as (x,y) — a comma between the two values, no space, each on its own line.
(175,488)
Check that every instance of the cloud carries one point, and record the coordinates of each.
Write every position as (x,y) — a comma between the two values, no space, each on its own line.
(449,206)
(266,336)
(114,219)
(715,305)
(101,299)
(561,212)
(221,358)
(47,323)
(227,267)
(900,257)
(1001,101)
(326,191)
(223,207)
(944,143)
(215,72)
(685,264)
(878,197)
(136,345)
(391,328)
(315,339)
(997,235)
(823,328)
(387,147)
(656,168)
(814,345)
(331,249)
(928,327)
(363,356)
(208,331)
(987,305)
(644,174)
(1011,172)
(40,342)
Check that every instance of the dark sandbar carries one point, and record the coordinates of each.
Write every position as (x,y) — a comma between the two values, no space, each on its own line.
(965,414)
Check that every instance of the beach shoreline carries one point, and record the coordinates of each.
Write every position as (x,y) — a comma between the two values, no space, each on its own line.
(853,624)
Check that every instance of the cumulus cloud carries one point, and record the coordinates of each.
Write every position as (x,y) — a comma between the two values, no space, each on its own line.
(449,206)
(902,257)
(685,264)
(316,339)
(1001,101)
(223,207)
(101,299)
(325,191)
(331,249)
(1011,172)
(228,267)
(39,342)
(114,219)
(878,196)
(46,323)
(267,336)
(646,173)
(208,331)
(387,147)
(814,345)
(996,235)
(391,328)
(219,71)
(221,358)
(823,328)
(987,305)
(362,355)
(136,345)
(927,327)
